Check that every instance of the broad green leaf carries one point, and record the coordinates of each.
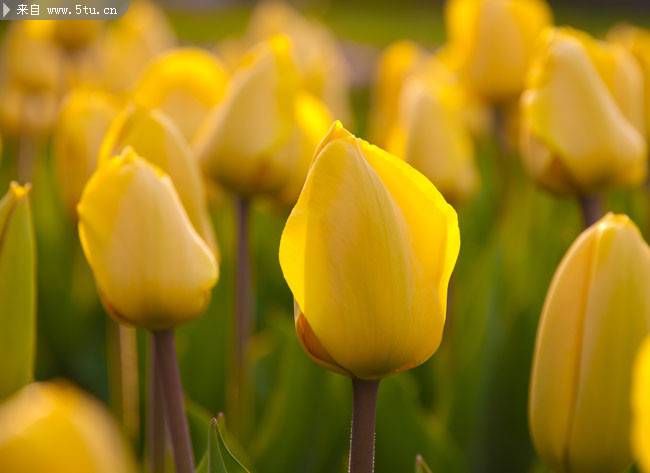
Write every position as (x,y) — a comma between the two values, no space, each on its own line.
(17,291)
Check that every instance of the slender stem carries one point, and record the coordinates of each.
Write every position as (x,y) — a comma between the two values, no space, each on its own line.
(592,208)
(26,150)
(362,437)
(157,434)
(243,316)
(170,379)
(123,376)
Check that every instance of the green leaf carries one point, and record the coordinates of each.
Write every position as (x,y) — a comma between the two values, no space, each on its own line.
(421,466)
(219,456)
(17,291)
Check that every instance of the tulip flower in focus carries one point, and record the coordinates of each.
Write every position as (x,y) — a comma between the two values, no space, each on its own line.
(490,42)
(312,121)
(324,71)
(151,267)
(53,427)
(582,119)
(432,136)
(185,84)
(596,313)
(84,118)
(131,42)
(641,408)
(367,252)
(17,291)
(155,138)
(239,143)
(637,41)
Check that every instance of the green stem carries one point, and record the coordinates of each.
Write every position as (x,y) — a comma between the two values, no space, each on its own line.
(362,436)
(175,419)
(157,434)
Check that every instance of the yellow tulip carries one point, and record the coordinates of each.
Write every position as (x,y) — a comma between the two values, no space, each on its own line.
(579,126)
(490,42)
(238,146)
(17,291)
(131,42)
(324,71)
(155,138)
(637,41)
(596,313)
(641,407)
(368,252)
(54,427)
(185,84)
(312,121)
(396,63)
(151,267)
(432,136)
(84,118)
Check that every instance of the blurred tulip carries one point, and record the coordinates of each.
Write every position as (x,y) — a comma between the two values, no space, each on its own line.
(312,121)
(54,427)
(30,84)
(641,407)
(580,125)
(151,267)
(74,35)
(596,313)
(185,84)
(324,71)
(396,63)
(433,137)
(155,138)
(131,42)
(636,41)
(238,146)
(491,42)
(368,252)
(17,292)
(84,118)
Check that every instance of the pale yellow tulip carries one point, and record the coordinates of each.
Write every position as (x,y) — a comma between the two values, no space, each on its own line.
(580,128)
(54,427)
(596,313)
(151,267)
(641,408)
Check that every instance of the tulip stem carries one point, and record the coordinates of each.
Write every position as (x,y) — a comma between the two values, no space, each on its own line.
(157,434)
(592,208)
(362,436)
(170,380)
(26,151)
(243,313)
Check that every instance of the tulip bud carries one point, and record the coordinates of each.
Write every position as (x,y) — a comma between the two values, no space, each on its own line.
(185,84)
(312,121)
(579,129)
(637,42)
(491,42)
(155,138)
(54,427)
(239,143)
(324,71)
(368,251)
(396,63)
(432,136)
(83,121)
(151,267)
(596,313)
(641,407)
(17,291)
